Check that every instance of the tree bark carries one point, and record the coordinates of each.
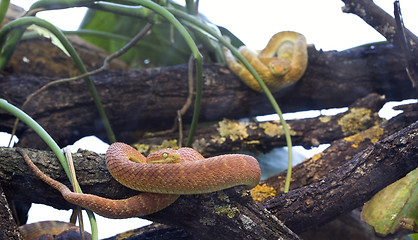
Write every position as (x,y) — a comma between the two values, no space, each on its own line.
(228,135)
(349,186)
(7,224)
(357,180)
(227,214)
(341,150)
(148,99)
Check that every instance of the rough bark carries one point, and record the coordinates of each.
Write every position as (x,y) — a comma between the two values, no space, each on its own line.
(391,28)
(95,179)
(143,100)
(341,150)
(349,186)
(228,214)
(228,135)
(380,20)
(7,224)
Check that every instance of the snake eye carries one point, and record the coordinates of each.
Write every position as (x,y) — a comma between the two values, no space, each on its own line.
(165,155)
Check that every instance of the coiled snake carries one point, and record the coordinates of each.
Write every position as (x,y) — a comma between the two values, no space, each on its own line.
(161,176)
(280,64)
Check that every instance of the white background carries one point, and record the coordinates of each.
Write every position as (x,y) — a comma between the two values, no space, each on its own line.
(254,22)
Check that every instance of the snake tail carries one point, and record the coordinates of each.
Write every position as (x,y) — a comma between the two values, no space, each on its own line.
(136,206)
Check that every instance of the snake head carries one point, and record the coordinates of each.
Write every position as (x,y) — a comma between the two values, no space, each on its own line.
(277,67)
(167,155)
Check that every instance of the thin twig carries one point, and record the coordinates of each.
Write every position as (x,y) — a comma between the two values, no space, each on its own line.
(183,110)
(406,52)
(105,66)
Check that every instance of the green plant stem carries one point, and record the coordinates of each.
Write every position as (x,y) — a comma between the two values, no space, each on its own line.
(197,24)
(136,11)
(25,22)
(196,55)
(4,5)
(83,32)
(39,130)
(51,144)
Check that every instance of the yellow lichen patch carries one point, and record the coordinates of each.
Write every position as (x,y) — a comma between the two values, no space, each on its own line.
(222,196)
(274,129)
(316,157)
(225,209)
(262,192)
(373,134)
(165,144)
(218,140)
(142,148)
(125,235)
(233,130)
(325,119)
(356,120)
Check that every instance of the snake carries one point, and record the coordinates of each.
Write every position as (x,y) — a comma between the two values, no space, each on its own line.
(161,177)
(280,64)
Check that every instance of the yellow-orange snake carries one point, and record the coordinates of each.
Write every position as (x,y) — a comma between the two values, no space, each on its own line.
(161,176)
(280,64)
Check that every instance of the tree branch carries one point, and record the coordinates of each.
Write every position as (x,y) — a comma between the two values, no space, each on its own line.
(20,184)
(380,21)
(350,185)
(227,135)
(148,99)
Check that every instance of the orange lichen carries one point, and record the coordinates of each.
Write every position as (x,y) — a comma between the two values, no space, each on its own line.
(262,192)
(316,157)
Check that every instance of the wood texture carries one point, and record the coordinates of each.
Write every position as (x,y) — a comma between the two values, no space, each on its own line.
(147,100)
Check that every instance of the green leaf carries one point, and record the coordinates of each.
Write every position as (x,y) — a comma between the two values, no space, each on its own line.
(394,207)
(48,34)
(162,47)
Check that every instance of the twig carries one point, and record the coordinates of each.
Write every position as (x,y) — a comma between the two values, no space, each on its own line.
(183,110)
(105,65)
(378,19)
(406,52)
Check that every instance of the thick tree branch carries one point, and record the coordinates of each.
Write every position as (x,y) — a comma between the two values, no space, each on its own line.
(228,214)
(350,185)
(142,100)
(20,184)
(379,20)
(7,224)
(227,135)
(342,150)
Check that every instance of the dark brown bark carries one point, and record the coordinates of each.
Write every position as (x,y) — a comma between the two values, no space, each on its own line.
(227,135)
(143,100)
(341,151)
(153,231)
(95,179)
(349,186)
(380,21)
(228,214)
(7,224)
(392,29)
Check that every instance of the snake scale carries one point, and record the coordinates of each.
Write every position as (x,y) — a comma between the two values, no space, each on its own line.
(161,177)
(280,64)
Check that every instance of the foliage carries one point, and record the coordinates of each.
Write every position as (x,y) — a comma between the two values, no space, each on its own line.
(395,207)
